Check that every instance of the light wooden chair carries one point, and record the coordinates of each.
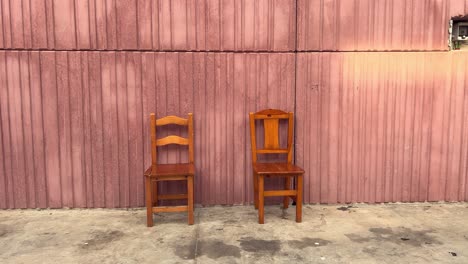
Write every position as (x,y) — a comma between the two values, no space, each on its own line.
(288,170)
(169,172)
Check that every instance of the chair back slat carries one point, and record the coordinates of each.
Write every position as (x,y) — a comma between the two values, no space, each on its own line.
(172,120)
(271,145)
(272,151)
(171,139)
(271,130)
(271,114)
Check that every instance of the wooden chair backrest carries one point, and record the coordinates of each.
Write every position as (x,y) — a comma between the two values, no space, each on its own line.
(172,139)
(271,118)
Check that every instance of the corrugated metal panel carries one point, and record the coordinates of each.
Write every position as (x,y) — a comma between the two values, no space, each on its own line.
(216,25)
(458,7)
(371,127)
(74,125)
(375,25)
(383,127)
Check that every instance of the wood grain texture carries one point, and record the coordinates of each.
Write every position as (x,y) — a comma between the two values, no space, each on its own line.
(171,120)
(172,140)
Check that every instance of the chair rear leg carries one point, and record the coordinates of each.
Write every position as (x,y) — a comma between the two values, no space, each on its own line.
(261,199)
(155,193)
(190,199)
(287,186)
(299,198)
(149,202)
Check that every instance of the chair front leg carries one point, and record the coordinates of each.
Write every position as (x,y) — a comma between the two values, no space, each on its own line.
(149,202)
(299,198)
(255,181)
(190,199)
(261,199)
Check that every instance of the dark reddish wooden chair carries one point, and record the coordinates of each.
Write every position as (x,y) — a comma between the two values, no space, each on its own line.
(169,172)
(288,170)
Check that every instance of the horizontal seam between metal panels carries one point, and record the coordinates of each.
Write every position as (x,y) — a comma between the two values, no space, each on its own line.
(153,51)
(232,51)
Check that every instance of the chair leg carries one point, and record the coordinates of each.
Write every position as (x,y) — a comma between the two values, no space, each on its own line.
(149,202)
(190,199)
(287,186)
(299,198)
(155,193)
(261,199)
(255,180)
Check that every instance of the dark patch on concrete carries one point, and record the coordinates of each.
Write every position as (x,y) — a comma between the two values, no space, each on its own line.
(296,257)
(400,236)
(252,214)
(344,208)
(5,230)
(308,242)
(4,218)
(231,222)
(381,231)
(213,249)
(357,238)
(185,251)
(453,254)
(385,252)
(370,251)
(100,239)
(42,240)
(47,234)
(259,245)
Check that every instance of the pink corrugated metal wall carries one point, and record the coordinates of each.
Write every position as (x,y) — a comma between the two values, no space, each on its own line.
(228,25)
(383,127)
(78,80)
(375,25)
(75,124)
(149,25)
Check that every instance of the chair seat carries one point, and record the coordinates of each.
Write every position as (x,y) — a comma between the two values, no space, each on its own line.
(277,168)
(179,169)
